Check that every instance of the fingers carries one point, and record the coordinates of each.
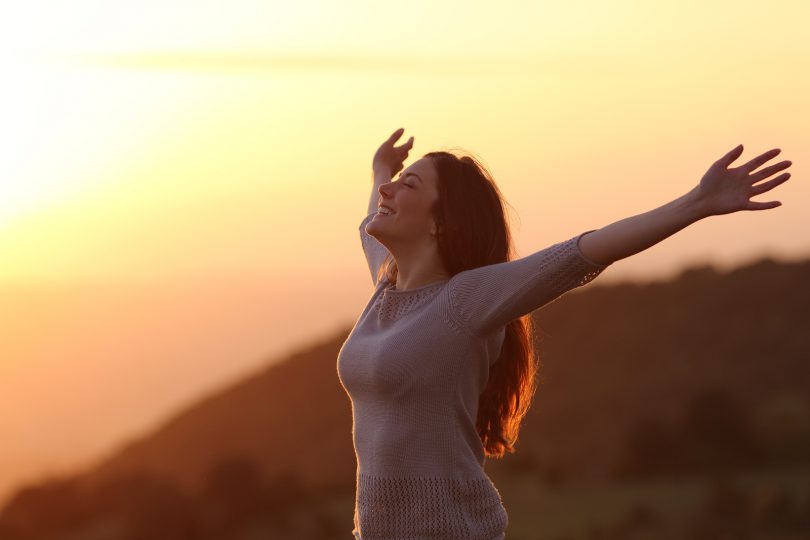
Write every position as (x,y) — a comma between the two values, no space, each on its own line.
(760,159)
(407,146)
(770,184)
(395,135)
(768,171)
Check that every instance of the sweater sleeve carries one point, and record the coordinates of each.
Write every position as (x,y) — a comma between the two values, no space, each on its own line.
(486,298)
(375,252)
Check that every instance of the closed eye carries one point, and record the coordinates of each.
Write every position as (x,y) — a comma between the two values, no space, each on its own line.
(410,186)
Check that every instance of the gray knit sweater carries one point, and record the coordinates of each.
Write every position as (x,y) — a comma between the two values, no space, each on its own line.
(414,366)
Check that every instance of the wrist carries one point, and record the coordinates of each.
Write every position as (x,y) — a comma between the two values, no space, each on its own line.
(694,205)
(381,174)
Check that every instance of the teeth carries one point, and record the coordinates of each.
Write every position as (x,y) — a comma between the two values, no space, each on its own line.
(384,210)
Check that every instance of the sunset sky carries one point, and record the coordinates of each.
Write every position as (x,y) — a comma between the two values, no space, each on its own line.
(182,182)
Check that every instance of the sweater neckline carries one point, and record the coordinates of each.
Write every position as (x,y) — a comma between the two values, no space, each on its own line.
(392,288)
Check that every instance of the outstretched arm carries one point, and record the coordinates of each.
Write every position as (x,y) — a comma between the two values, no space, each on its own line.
(721,191)
(637,233)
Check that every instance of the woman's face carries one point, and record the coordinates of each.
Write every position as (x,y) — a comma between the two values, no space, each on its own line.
(410,197)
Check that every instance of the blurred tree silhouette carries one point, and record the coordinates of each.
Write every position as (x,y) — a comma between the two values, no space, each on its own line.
(714,435)
(234,491)
(154,507)
(44,509)
(717,433)
(652,447)
(782,424)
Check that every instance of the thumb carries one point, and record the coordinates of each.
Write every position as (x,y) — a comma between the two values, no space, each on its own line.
(733,154)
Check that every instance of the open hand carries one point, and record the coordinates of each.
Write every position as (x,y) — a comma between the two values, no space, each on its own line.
(723,190)
(389,158)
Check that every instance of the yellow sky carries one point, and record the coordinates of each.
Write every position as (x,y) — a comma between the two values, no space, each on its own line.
(212,122)
(213,144)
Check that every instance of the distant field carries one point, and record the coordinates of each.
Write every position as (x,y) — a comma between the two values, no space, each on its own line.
(574,511)
(537,511)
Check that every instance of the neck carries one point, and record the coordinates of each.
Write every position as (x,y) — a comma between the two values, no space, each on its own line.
(404,284)
(421,268)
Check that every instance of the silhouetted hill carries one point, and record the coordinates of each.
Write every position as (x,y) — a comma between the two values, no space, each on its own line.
(636,380)
(617,358)
(290,417)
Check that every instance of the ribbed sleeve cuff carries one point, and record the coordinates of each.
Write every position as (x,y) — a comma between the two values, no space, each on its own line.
(583,257)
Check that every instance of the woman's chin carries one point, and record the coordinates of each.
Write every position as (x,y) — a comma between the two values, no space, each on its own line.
(372,225)
(376,229)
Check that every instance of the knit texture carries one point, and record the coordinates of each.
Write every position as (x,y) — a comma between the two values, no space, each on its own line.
(413,366)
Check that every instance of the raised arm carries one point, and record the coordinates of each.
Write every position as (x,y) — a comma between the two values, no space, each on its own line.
(374,251)
(387,162)
(375,192)
(720,191)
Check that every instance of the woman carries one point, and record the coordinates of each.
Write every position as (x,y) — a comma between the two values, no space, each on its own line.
(439,366)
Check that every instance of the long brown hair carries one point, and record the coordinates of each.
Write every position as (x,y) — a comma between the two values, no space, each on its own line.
(472,231)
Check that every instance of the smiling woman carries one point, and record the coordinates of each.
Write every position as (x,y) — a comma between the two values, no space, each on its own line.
(447,292)
(444,344)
